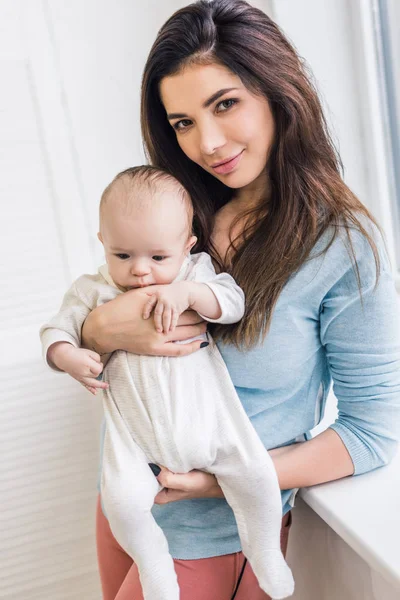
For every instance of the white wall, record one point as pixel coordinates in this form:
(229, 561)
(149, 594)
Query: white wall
(48, 444)
(321, 32)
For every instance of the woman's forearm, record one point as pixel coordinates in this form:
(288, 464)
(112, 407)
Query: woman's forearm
(114, 324)
(94, 336)
(321, 459)
(119, 325)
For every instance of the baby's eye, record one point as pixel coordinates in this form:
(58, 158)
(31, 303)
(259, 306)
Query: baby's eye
(122, 256)
(158, 258)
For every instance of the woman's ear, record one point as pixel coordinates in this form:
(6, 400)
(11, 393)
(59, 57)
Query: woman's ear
(191, 242)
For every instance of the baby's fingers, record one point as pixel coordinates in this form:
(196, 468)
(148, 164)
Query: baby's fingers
(94, 384)
(94, 355)
(95, 368)
(166, 319)
(148, 307)
(174, 320)
(158, 316)
(92, 390)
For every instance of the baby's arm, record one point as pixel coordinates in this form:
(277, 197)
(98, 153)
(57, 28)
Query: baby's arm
(203, 300)
(216, 298)
(61, 338)
(171, 300)
(81, 364)
(229, 295)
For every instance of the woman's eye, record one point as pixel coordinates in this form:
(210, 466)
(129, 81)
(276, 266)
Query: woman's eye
(225, 104)
(183, 124)
(158, 258)
(122, 256)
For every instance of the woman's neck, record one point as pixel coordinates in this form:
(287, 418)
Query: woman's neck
(253, 194)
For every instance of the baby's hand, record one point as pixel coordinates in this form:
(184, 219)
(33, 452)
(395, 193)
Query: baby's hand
(83, 365)
(170, 301)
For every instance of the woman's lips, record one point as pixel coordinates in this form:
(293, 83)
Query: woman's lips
(228, 166)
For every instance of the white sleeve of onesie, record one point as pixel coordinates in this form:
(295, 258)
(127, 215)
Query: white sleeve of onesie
(87, 292)
(229, 295)
(66, 325)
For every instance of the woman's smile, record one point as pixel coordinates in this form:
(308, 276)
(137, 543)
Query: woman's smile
(228, 165)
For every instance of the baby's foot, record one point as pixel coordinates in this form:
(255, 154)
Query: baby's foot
(274, 575)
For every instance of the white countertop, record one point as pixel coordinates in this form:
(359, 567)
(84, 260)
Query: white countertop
(365, 512)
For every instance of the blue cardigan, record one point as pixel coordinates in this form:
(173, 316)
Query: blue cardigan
(321, 332)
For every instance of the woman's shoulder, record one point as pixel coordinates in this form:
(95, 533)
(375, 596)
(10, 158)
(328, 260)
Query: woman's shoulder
(350, 258)
(345, 243)
(354, 253)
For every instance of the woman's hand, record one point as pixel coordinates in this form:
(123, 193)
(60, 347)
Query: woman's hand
(178, 486)
(119, 325)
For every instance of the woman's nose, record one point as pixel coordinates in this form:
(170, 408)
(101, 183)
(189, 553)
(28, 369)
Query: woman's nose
(211, 139)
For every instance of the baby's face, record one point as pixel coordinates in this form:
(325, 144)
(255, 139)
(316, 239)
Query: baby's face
(147, 245)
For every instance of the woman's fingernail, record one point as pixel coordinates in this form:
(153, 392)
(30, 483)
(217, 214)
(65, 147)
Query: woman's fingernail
(204, 344)
(155, 468)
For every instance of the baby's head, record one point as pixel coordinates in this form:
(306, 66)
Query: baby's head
(145, 227)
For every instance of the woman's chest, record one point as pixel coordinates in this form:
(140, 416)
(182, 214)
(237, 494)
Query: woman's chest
(292, 346)
(291, 349)
(227, 229)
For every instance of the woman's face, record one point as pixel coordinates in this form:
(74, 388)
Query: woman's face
(219, 124)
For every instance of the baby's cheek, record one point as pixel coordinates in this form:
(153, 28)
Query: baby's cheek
(167, 274)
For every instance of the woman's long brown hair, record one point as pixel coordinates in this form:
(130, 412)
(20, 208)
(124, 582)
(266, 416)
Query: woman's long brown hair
(308, 194)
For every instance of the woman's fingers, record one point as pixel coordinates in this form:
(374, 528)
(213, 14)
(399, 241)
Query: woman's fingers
(179, 486)
(171, 349)
(175, 485)
(185, 482)
(166, 495)
(187, 331)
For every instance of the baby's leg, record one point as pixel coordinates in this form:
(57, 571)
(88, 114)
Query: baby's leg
(248, 479)
(128, 489)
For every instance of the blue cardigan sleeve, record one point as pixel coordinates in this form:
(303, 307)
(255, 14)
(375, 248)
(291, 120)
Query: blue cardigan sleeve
(362, 344)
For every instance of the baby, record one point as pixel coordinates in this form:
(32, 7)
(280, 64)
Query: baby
(183, 413)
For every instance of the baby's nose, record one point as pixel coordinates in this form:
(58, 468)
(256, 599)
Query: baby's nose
(139, 269)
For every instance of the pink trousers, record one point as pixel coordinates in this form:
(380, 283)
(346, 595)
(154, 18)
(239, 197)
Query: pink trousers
(212, 578)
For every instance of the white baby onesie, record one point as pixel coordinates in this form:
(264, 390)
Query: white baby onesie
(183, 413)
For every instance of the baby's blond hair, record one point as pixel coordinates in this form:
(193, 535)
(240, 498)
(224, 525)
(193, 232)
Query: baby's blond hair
(147, 178)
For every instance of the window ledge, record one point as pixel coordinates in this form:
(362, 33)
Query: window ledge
(363, 511)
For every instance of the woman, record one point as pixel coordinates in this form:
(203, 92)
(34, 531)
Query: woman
(228, 109)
